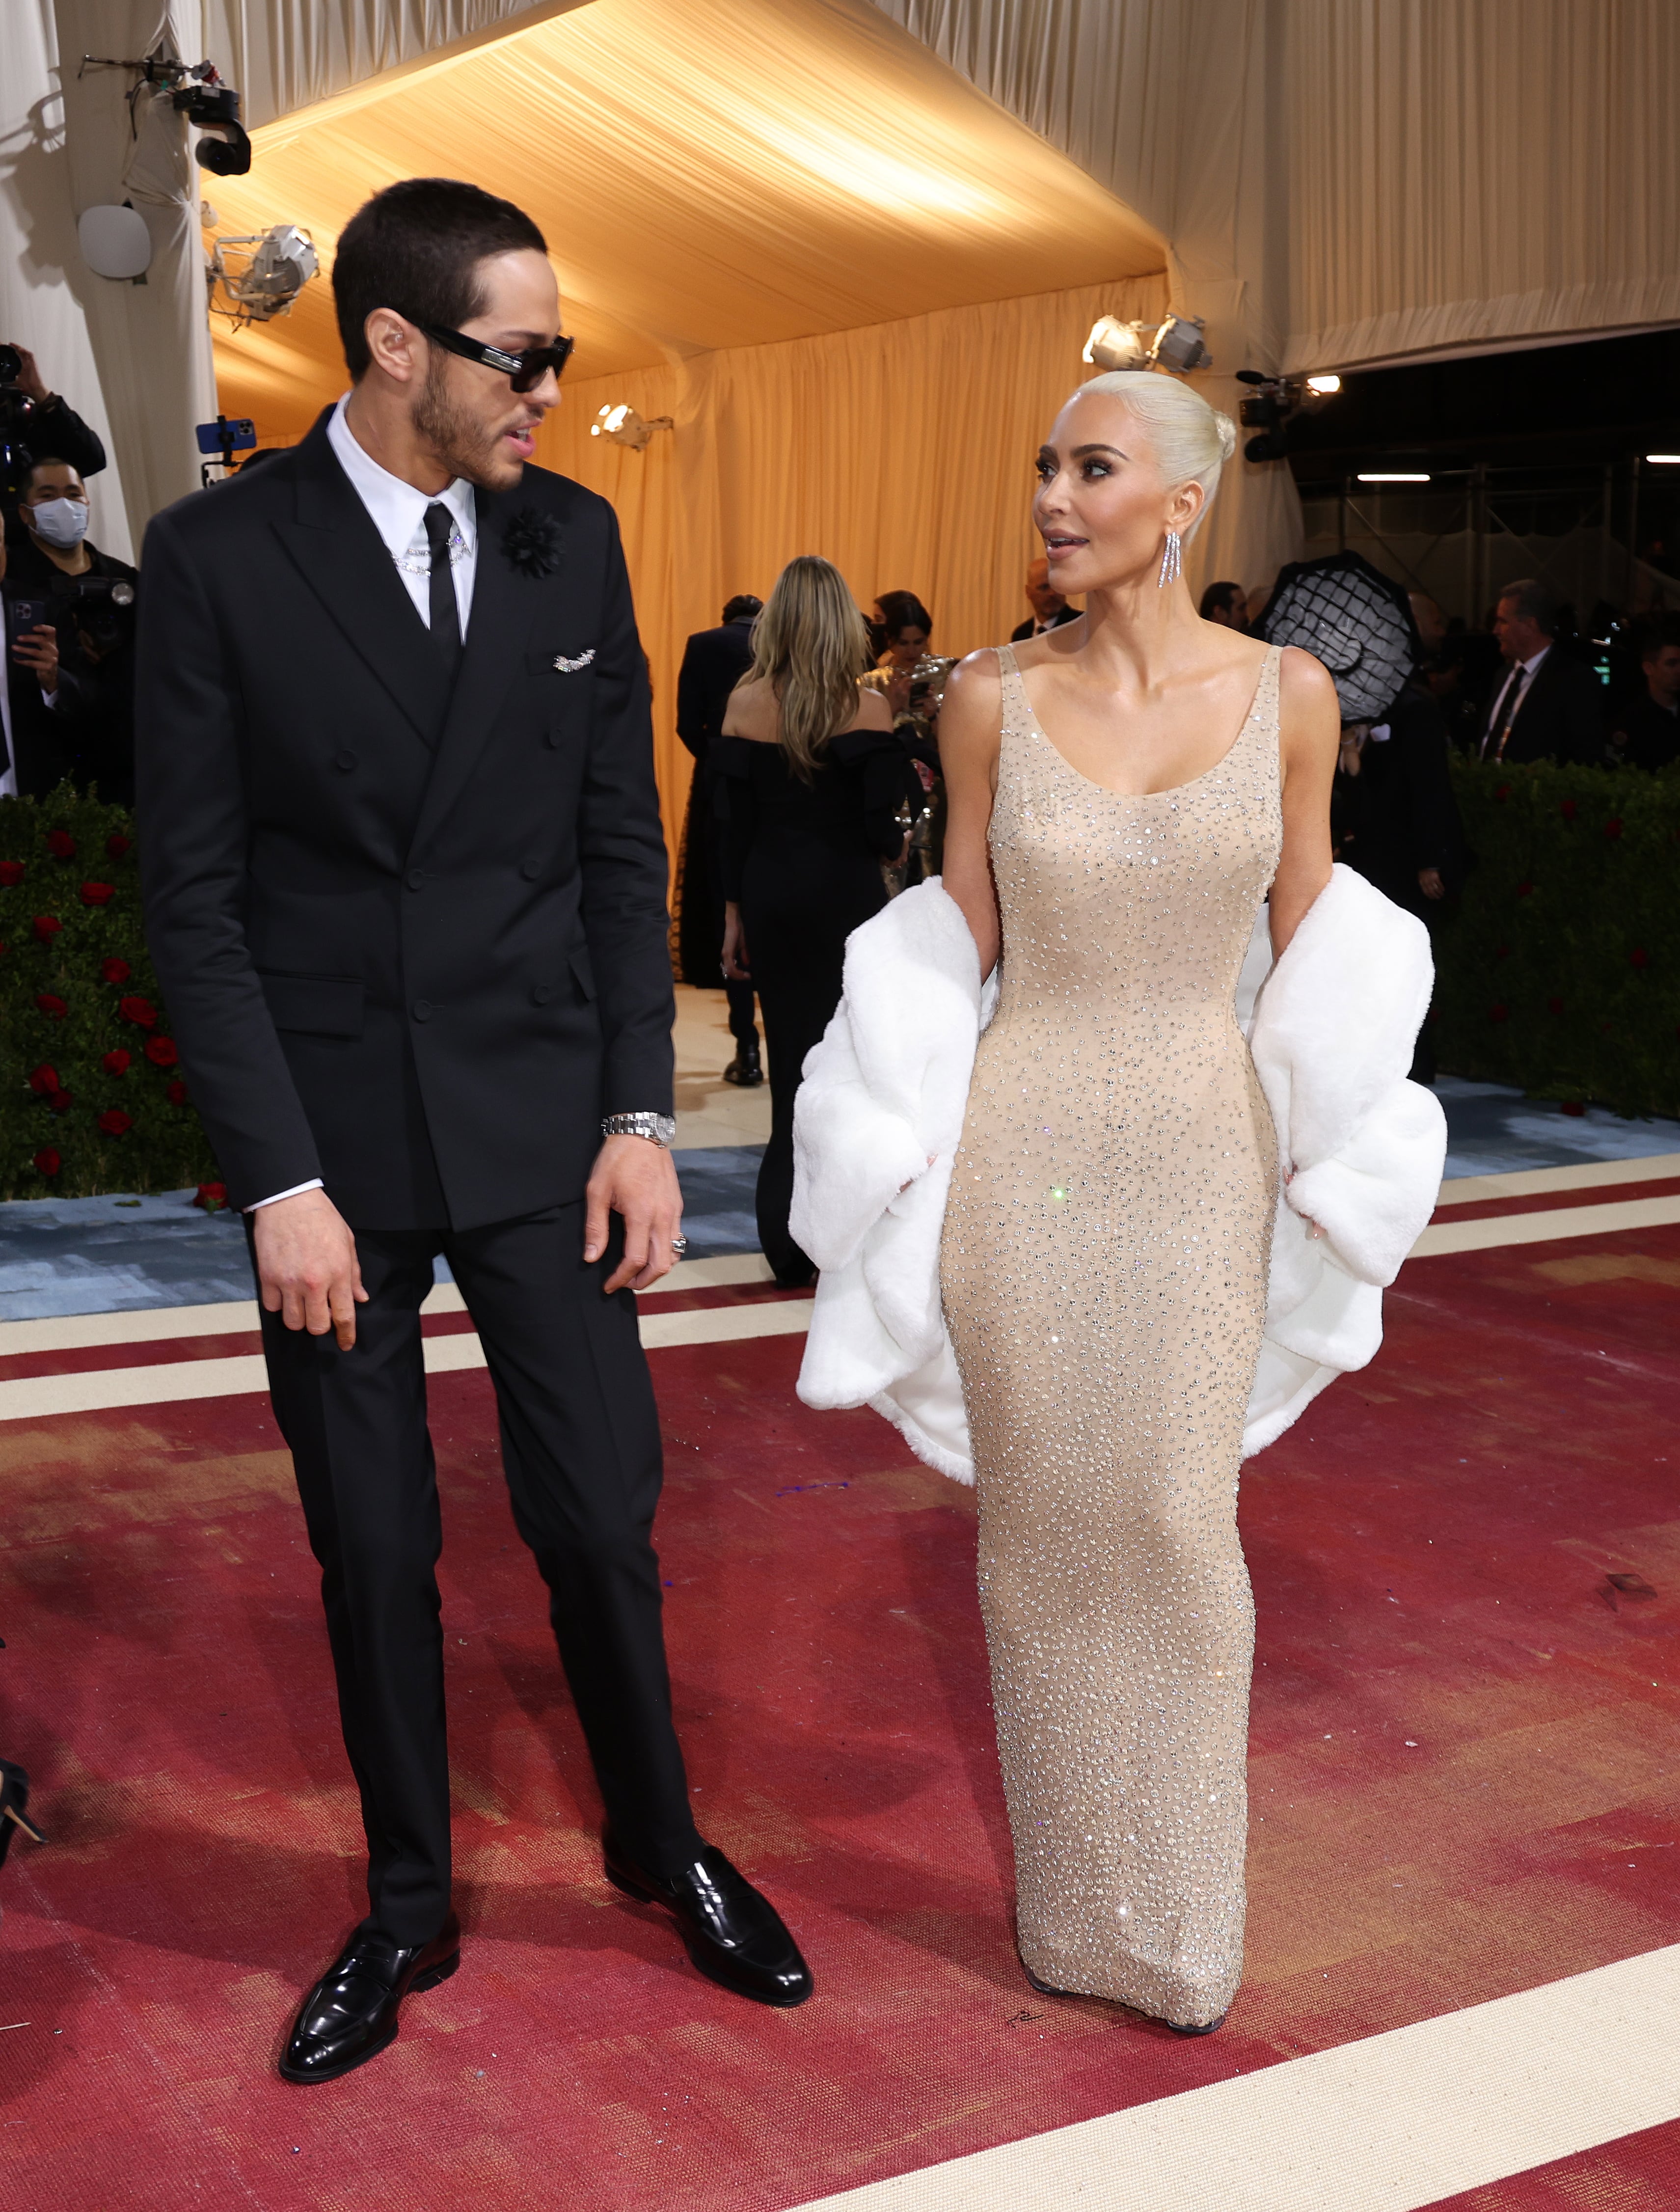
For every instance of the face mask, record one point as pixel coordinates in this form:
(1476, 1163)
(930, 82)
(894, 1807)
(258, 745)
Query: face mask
(62, 522)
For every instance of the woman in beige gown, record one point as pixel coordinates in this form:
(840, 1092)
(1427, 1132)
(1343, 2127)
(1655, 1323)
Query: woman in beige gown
(1124, 792)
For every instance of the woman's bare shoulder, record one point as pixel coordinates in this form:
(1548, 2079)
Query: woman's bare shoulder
(874, 709)
(977, 678)
(1304, 683)
(752, 712)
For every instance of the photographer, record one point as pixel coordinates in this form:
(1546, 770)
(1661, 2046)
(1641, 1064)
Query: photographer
(91, 595)
(39, 420)
(37, 701)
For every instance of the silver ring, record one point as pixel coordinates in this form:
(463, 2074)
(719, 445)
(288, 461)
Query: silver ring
(679, 1244)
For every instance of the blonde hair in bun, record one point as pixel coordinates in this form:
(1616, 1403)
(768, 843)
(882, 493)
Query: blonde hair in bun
(1193, 441)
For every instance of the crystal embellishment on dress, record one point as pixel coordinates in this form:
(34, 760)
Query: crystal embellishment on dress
(1105, 1287)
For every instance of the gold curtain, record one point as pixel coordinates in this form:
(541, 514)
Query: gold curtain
(902, 452)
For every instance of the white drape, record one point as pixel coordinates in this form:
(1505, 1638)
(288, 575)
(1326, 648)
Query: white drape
(43, 282)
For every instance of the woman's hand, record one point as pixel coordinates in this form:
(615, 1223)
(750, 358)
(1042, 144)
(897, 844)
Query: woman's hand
(736, 968)
(1429, 883)
(898, 690)
(38, 649)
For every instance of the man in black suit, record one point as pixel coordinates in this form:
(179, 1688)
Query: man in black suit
(1050, 608)
(405, 891)
(1544, 706)
(1649, 726)
(713, 663)
(39, 698)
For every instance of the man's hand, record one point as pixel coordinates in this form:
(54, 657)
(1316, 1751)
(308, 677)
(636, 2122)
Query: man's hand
(1429, 883)
(736, 964)
(637, 1179)
(307, 1265)
(30, 381)
(38, 649)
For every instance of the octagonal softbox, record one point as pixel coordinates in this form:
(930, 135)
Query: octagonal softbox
(1353, 619)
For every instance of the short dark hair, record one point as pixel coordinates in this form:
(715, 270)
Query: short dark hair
(743, 604)
(1659, 632)
(903, 611)
(416, 247)
(1536, 602)
(1219, 596)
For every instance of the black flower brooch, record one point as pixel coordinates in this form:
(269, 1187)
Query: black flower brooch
(532, 542)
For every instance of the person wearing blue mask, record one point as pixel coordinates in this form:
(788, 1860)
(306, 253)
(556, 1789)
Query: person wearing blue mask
(92, 594)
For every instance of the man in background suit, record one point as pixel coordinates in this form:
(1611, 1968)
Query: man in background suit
(1544, 706)
(1649, 726)
(1050, 608)
(405, 891)
(713, 663)
(37, 698)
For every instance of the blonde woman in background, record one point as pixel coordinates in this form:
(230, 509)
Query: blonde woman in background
(1124, 792)
(811, 785)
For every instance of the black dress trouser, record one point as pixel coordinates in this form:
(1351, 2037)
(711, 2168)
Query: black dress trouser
(580, 1450)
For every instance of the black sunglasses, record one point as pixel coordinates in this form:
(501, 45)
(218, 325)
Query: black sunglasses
(526, 369)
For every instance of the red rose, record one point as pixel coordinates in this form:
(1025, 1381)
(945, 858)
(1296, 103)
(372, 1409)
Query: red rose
(1523, 889)
(114, 970)
(1640, 956)
(141, 1011)
(1554, 1005)
(45, 1080)
(1499, 1013)
(1567, 810)
(1503, 791)
(47, 927)
(115, 1123)
(50, 1004)
(61, 844)
(11, 874)
(1613, 827)
(61, 1101)
(176, 1094)
(160, 1051)
(116, 1063)
(98, 893)
(116, 845)
(212, 1196)
(1574, 1106)
(47, 1161)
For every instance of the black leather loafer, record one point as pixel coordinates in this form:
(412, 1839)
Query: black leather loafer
(736, 1937)
(350, 2014)
(746, 1069)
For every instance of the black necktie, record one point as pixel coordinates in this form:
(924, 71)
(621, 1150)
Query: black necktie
(446, 613)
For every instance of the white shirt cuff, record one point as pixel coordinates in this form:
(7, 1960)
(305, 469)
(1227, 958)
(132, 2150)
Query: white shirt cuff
(315, 1183)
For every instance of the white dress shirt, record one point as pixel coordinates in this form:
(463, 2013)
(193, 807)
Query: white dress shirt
(397, 512)
(9, 773)
(1522, 675)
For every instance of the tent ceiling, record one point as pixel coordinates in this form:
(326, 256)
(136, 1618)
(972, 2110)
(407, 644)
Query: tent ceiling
(708, 174)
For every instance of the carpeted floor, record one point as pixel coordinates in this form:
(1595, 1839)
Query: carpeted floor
(1465, 1779)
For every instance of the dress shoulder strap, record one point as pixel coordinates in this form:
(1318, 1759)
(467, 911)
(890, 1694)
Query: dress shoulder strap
(1006, 662)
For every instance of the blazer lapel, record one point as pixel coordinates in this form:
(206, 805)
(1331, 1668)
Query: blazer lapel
(505, 605)
(343, 559)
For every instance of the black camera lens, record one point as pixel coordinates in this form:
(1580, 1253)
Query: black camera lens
(11, 364)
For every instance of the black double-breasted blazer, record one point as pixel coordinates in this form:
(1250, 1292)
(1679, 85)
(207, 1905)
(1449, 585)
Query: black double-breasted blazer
(413, 940)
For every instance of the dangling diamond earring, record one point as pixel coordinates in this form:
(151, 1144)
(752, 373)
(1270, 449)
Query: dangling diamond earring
(1171, 561)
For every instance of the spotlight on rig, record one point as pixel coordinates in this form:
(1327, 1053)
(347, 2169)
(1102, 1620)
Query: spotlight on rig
(1176, 344)
(625, 428)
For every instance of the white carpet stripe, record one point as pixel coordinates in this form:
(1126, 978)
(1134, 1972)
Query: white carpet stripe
(1545, 1228)
(1532, 1182)
(35, 1397)
(1390, 2124)
(32, 1397)
(231, 1316)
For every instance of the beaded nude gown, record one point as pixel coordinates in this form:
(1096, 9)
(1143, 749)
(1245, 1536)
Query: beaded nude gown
(1104, 1277)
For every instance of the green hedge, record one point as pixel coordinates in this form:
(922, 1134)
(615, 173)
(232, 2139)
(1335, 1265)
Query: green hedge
(91, 1096)
(1560, 971)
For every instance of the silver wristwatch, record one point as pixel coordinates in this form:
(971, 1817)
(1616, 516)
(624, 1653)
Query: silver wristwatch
(658, 1128)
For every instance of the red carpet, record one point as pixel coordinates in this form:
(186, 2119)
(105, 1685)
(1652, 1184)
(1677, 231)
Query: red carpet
(1465, 1778)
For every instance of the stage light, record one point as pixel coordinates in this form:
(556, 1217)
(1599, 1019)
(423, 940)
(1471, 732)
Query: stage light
(1115, 344)
(1176, 344)
(1392, 475)
(283, 263)
(1324, 385)
(1665, 461)
(625, 428)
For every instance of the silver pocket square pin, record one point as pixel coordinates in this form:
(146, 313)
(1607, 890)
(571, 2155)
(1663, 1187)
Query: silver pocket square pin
(571, 667)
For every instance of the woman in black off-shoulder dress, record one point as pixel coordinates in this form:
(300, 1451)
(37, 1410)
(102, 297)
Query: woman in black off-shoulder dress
(812, 788)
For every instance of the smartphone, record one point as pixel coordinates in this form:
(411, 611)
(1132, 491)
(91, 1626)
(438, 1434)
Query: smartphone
(25, 614)
(237, 432)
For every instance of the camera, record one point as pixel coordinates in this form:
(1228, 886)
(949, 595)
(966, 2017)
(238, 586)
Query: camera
(102, 610)
(15, 409)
